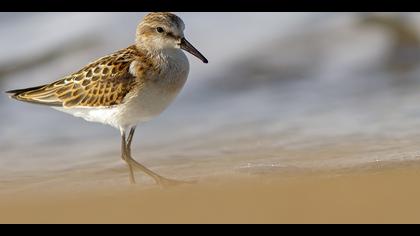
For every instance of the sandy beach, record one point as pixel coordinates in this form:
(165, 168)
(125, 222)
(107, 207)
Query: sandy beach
(284, 125)
(385, 195)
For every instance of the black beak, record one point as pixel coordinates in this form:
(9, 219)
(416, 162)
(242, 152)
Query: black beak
(185, 45)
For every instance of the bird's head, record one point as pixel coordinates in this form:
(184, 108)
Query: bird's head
(162, 30)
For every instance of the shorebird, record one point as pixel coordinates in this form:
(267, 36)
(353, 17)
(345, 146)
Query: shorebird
(128, 87)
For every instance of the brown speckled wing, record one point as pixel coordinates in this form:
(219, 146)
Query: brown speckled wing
(104, 82)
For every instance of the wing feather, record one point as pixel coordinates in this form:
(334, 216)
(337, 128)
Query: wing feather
(104, 82)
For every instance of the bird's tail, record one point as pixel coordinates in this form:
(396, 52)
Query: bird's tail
(36, 95)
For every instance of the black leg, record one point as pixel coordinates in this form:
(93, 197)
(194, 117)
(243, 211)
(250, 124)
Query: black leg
(129, 159)
(130, 139)
(126, 157)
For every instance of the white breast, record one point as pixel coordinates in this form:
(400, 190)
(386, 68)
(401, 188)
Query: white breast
(148, 102)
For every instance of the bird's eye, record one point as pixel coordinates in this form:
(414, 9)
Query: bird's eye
(159, 30)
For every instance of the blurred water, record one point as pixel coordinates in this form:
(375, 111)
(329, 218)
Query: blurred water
(282, 92)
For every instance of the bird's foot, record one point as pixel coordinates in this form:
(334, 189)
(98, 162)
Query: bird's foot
(164, 182)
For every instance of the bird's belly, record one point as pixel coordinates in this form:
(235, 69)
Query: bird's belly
(150, 101)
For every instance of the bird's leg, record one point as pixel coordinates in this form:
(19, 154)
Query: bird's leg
(159, 179)
(129, 139)
(130, 159)
(125, 157)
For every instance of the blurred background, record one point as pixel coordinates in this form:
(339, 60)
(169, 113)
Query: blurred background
(283, 92)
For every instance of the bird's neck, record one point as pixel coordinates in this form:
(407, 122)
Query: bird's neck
(160, 55)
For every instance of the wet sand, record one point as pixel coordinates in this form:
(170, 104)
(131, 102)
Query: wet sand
(384, 195)
(262, 153)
